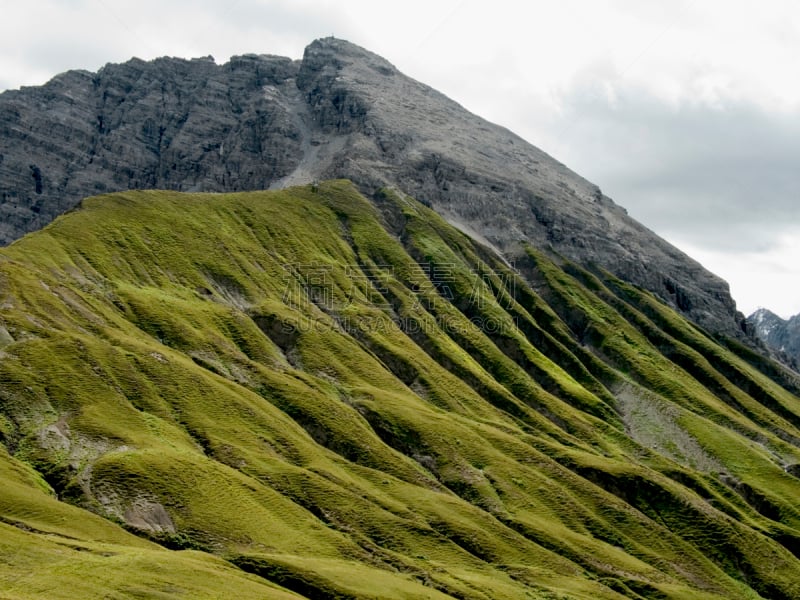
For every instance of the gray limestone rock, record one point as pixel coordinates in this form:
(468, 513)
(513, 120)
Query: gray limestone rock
(265, 121)
(169, 123)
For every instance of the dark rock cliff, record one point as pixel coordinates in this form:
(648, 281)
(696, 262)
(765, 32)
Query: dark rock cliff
(264, 121)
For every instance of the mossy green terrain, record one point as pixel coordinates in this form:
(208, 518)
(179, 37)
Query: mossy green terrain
(308, 393)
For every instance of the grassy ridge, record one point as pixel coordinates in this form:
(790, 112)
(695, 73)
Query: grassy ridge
(307, 393)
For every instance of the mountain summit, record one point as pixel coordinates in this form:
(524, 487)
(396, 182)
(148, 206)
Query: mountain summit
(261, 122)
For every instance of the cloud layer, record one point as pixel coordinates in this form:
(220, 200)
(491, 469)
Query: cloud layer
(721, 181)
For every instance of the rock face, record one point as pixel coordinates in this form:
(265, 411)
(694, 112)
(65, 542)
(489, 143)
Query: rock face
(169, 123)
(781, 335)
(264, 121)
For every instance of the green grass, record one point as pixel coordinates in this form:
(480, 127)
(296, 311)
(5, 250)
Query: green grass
(307, 394)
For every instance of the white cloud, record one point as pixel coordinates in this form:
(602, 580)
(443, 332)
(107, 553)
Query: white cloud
(758, 276)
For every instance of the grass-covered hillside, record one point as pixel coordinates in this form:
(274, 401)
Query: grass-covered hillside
(308, 394)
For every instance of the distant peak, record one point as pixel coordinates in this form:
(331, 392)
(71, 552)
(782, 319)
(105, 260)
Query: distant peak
(762, 314)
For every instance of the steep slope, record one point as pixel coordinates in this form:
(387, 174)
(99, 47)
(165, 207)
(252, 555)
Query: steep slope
(349, 398)
(261, 121)
(781, 335)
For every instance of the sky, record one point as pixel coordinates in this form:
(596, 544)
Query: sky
(685, 112)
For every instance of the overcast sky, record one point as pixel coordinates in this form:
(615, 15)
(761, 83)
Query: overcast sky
(687, 113)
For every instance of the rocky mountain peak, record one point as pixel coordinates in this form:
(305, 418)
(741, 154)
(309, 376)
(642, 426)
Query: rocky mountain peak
(262, 121)
(336, 53)
(780, 335)
(764, 319)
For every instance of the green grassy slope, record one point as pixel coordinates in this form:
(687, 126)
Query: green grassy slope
(307, 394)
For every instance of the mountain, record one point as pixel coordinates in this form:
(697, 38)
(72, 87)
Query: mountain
(430, 362)
(314, 393)
(341, 112)
(779, 334)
